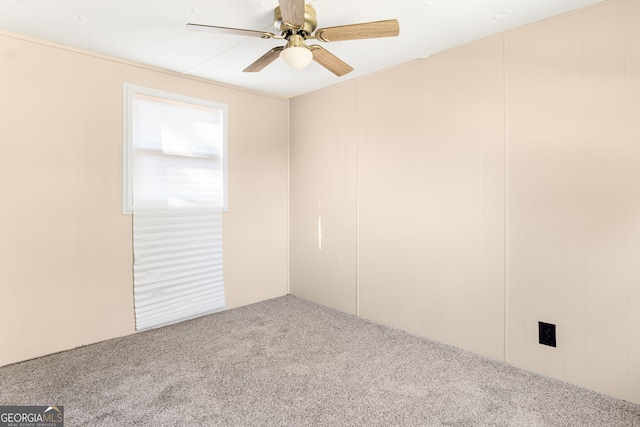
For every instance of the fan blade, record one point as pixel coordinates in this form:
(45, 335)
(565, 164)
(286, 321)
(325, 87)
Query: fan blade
(292, 12)
(329, 61)
(366, 30)
(264, 60)
(226, 30)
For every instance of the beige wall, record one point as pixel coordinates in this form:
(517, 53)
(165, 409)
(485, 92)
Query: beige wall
(65, 246)
(323, 164)
(574, 205)
(412, 179)
(495, 185)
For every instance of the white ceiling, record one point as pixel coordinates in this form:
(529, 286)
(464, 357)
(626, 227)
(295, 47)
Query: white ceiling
(153, 32)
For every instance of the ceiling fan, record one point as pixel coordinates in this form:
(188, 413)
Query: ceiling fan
(296, 23)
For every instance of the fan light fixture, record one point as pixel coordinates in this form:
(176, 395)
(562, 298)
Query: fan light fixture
(296, 57)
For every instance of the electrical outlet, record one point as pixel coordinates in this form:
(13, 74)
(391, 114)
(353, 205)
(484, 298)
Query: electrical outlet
(547, 334)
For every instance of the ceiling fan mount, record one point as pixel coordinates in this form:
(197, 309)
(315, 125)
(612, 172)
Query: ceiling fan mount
(296, 23)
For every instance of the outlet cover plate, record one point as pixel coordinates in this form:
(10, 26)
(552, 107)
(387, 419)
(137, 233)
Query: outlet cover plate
(547, 334)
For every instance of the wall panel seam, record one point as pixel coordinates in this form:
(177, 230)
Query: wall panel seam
(505, 112)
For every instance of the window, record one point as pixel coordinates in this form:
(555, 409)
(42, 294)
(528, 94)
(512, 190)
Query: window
(175, 186)
(178, 146)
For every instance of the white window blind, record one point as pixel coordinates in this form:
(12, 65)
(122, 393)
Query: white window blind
(178, 264)
(177, 152)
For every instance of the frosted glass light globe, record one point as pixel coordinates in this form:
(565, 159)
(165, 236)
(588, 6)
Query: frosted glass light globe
(296, 57)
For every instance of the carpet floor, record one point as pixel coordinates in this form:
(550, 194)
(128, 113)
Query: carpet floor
(289, 362)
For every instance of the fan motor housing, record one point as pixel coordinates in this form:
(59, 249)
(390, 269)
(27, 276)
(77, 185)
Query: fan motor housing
(310, 21)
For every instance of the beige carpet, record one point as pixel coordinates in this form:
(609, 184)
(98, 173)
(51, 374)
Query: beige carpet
(288, 362)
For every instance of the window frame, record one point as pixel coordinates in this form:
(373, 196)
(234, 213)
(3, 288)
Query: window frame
(129, 91)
